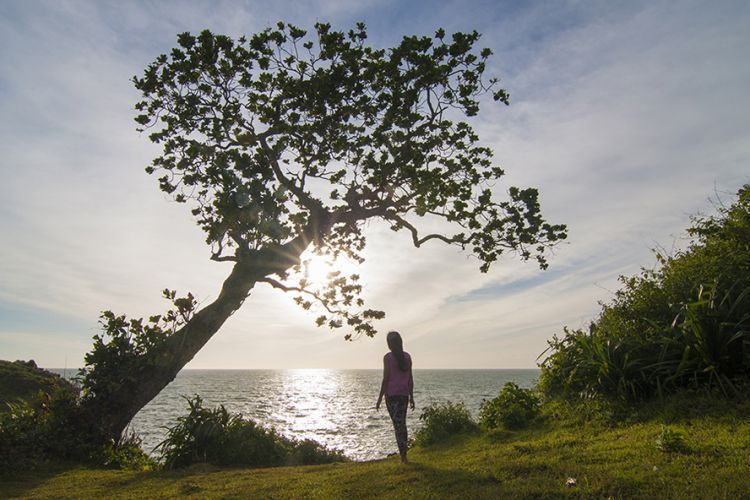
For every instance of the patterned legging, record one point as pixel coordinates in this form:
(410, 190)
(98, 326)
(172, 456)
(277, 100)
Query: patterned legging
(397, 410)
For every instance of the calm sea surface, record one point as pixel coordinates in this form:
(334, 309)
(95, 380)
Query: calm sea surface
(333, 407)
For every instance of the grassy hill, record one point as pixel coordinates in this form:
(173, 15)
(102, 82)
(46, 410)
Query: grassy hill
(617, 460)
(23, 379)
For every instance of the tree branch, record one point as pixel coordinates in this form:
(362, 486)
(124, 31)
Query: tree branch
(459, 238)
(285, 288)
(223, 258)
(308, 201)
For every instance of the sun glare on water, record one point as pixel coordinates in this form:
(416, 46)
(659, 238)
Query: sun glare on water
(313, 392)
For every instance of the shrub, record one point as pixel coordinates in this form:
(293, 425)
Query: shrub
(217, 437)
(53, 427)
(127, 347)
(41, 428)
(126, 454)
(442, 420)
(309, 452)
(685, 323)
(513, 408)
(19, 448)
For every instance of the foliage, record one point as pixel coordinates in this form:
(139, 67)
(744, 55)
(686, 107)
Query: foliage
(23, 433)
(215, 436)
(513, 408)
(125, 348)
(55, 427)
(672, 440)
(685, 323)
(127, 453)
(285, 139)
(441, 421)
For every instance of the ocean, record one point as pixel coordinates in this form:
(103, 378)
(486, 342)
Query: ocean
(333, 407)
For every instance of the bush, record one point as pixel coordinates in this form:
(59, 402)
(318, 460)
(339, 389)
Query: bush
(41, 428)
(19, 446)
(441, 421)
(217, 437)
(513, 408)
(53, 427)
(127, 347)
(126, 454)
(684, 324)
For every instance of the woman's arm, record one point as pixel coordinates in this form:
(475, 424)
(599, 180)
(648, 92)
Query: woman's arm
(411, 388)
(384, 384)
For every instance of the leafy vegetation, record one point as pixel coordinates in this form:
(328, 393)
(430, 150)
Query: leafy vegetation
(52, 427)
(684, 324)
(31, 431)
(52, 423)
(440, 421)
(513, 408)
(126, 347)
(216, 437)
(121, 354)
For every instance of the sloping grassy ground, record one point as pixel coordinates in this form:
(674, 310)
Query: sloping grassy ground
(20, 380)
(607, 460)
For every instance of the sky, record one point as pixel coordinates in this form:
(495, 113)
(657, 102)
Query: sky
(628, 116)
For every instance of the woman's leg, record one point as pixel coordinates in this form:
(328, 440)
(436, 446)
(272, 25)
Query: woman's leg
(397, 406)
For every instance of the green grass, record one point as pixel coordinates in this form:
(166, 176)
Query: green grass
(607, 460)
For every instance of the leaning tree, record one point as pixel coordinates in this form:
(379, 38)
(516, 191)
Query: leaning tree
(283, 144)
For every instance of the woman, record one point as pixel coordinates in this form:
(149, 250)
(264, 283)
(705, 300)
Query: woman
(398, 388)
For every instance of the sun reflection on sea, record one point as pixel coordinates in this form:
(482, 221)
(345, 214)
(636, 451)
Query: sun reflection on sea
(328, 406)
(311, 401)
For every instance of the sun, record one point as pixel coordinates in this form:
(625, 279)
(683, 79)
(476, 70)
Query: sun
(317, 268)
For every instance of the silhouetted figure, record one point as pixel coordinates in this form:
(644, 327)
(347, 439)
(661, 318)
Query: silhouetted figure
(398, 389)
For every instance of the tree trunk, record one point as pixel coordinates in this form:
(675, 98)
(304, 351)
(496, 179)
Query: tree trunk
(118, 410)
(115, 413)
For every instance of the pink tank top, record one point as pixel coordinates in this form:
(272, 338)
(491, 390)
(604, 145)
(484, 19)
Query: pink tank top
(398, 381)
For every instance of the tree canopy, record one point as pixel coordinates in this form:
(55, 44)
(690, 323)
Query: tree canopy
(287, 140)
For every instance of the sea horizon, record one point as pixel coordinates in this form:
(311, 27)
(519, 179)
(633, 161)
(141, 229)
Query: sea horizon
(58, 369)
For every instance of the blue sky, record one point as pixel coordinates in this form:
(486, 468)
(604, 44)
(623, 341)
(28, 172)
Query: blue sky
(628, 116)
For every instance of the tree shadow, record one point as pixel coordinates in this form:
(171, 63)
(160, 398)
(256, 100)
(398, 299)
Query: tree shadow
(435, 482)
(25, 483)
(22, 483)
